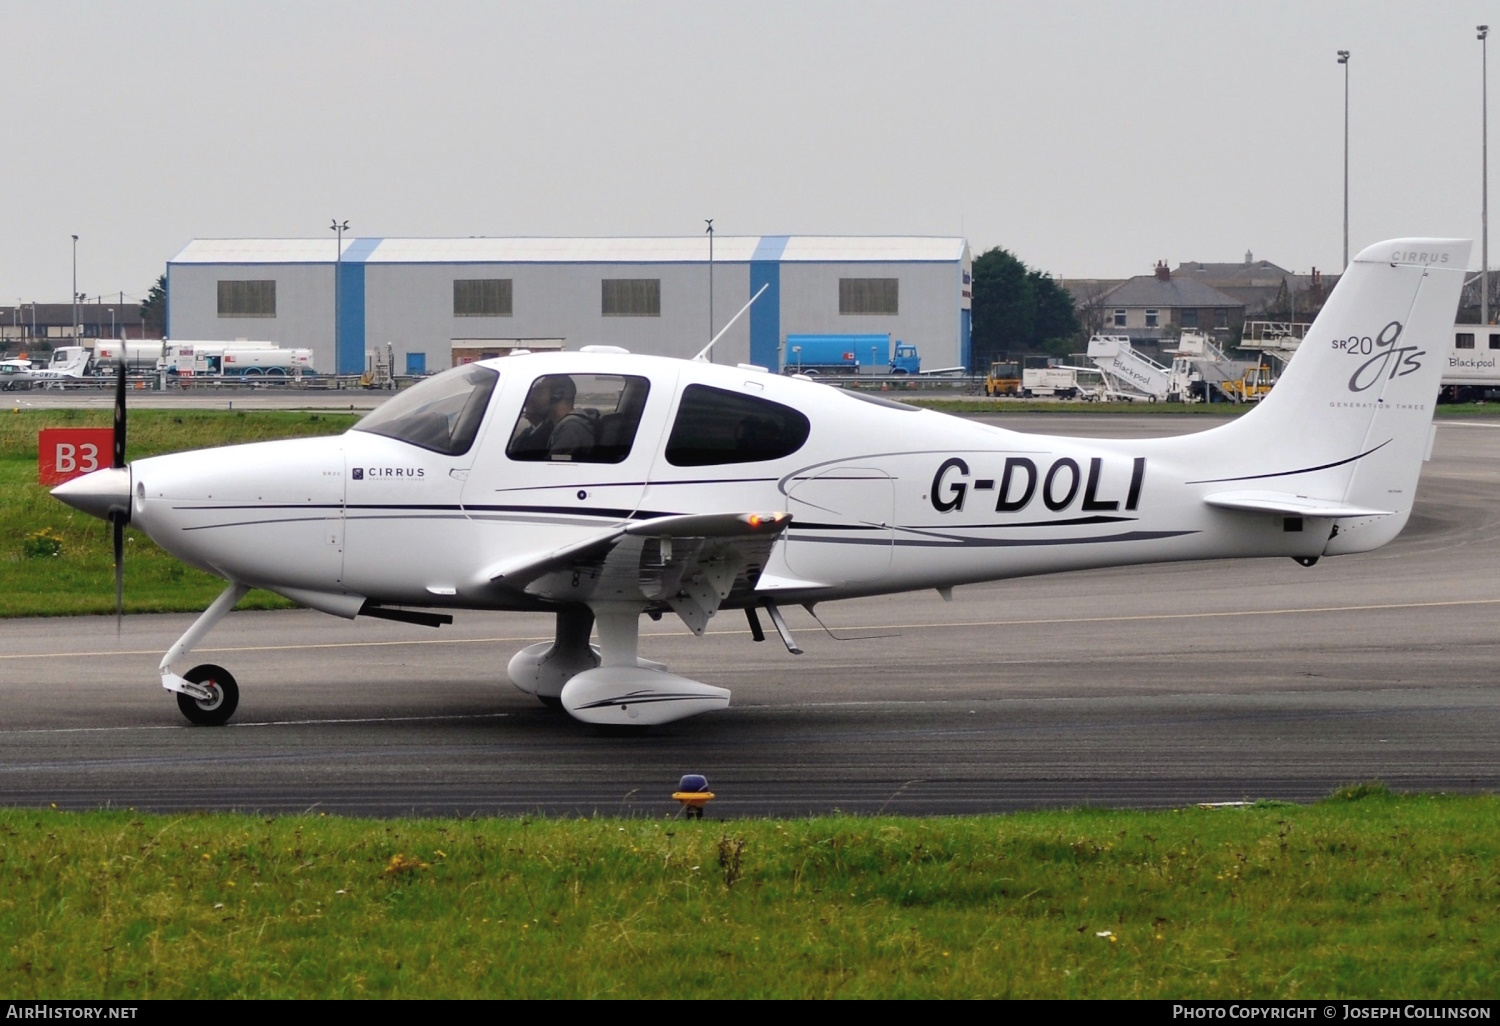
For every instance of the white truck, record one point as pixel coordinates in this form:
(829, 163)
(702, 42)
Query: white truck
(141, 355)
(1473, 368)
(240, 358)
(1044, 376)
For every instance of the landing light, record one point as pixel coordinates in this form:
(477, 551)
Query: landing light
(692, 791)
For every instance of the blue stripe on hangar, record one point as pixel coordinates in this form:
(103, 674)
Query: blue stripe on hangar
(765, 313)
(350, 345)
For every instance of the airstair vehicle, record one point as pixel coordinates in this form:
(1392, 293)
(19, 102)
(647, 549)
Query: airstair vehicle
(1132, 375)
(1212, 371)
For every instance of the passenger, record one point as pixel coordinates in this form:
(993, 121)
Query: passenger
(556, 428)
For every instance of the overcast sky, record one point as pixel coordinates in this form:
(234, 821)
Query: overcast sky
(1090, 139)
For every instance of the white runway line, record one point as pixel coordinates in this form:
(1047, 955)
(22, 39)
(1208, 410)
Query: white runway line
(943, 625)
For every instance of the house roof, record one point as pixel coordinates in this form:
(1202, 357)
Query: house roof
(1149, 290)
(1242, 275)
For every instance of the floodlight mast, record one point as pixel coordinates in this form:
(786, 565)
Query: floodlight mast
(1344, 60)
(1484, 173)
(338, 227)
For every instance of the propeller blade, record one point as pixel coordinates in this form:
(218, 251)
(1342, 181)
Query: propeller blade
(119, 418)
(118, 521)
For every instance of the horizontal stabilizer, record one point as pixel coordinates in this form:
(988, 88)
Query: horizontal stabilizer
(1289, 505)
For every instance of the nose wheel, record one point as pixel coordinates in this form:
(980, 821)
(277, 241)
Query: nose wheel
(214, 711)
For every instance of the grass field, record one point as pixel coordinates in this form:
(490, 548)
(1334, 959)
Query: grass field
(1363, 895)
(55, 562)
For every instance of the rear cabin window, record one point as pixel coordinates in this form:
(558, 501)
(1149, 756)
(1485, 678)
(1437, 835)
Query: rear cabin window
(579, 418)
(715, 426)
(442, 414)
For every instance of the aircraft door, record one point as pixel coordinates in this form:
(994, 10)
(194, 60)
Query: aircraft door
(842, 524)
(566, 452)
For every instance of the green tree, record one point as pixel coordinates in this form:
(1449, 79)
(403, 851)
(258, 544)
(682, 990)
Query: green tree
(1018, 310)
(154, 309)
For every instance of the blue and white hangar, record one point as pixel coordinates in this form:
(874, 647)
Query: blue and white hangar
(439, 302)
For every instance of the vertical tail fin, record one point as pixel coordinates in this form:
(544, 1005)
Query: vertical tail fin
(1349, 420)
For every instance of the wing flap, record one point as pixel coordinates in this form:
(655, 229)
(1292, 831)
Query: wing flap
(695, 560)
(1290, 505)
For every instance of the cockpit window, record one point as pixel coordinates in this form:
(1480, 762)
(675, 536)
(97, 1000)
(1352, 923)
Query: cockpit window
(442, 414)
(715, 426)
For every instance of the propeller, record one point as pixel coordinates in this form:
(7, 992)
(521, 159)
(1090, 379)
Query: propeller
(119, 516)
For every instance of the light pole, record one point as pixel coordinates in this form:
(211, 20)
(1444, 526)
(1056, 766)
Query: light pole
(338, 227)
(1344, 60)
(111, 322)
(75, 290)
(1484, 165)
(710, 230)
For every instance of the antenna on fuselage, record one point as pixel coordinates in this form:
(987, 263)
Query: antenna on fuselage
(703, 354)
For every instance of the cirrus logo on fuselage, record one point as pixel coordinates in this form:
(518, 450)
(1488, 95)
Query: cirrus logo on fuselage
(388, 473)
(1022, 480)
(1384, 360)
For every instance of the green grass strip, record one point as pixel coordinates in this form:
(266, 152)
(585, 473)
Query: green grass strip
(1364, 895)
(58, 562)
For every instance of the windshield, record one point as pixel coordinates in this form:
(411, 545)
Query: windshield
(442, 414)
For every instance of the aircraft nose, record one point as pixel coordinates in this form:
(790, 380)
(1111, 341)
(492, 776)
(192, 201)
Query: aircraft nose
(97, 493)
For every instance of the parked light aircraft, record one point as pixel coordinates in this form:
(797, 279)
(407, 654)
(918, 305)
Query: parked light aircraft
(602, 485)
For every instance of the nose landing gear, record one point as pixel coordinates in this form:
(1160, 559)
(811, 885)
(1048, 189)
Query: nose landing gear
(224, 696)
(206, 694)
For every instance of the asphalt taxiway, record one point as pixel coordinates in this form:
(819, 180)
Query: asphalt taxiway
(1153, 686)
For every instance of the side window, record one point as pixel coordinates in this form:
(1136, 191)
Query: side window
(579, 418)
(1463, 340)
(715, 426)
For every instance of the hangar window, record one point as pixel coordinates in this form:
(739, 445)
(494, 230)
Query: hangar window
(442, 414)
(1463, 340)
(247, 298)
(579, 418)
(869, 295)
(481, 297)
(631, 297)
(715, 426)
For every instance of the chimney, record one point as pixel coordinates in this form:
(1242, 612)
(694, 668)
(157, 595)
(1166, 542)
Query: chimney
(1163, 272)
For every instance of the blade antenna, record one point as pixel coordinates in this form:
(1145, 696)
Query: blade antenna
(703, 354)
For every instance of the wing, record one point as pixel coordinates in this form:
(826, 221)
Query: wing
(691, 564)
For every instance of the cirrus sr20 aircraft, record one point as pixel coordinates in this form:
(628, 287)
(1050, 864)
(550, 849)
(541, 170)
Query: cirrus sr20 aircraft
(601, 486)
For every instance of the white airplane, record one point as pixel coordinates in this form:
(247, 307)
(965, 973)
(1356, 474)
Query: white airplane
(15, 373)
(602, 486)
(68, 363)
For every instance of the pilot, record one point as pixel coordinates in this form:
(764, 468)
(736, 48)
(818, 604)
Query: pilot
(555, 427)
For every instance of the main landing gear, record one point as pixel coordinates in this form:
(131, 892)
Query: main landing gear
(608, 685)
(206, 694)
